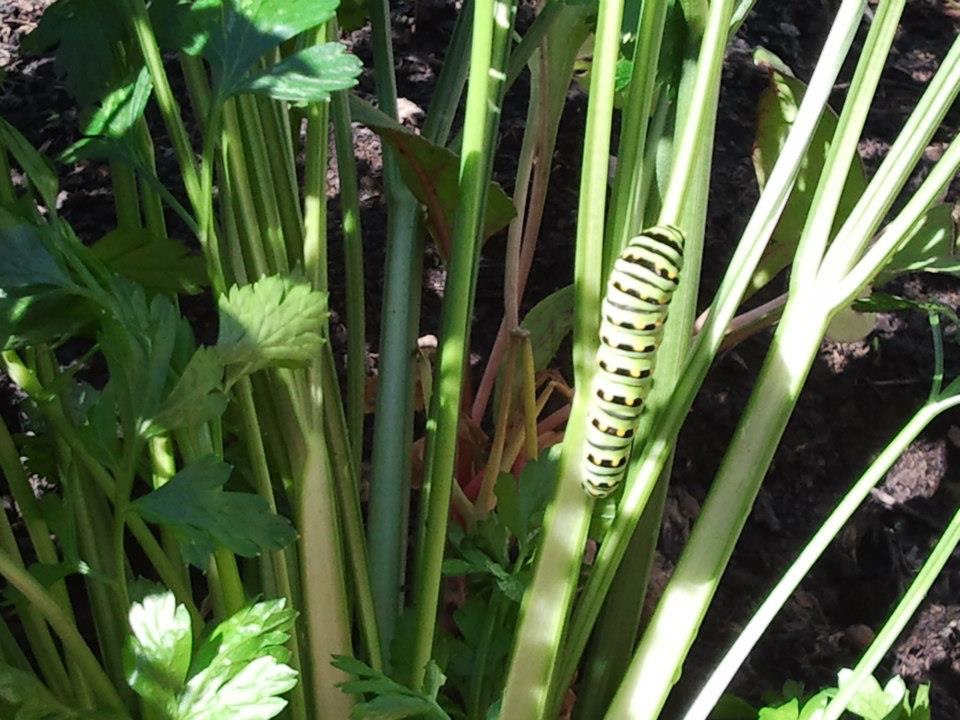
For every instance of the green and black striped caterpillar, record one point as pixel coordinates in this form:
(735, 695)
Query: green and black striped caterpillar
(634, 309)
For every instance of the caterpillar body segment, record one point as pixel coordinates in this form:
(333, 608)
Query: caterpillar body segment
(634, 311)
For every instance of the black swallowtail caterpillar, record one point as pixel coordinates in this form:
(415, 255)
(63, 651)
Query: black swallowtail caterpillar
(634, 311)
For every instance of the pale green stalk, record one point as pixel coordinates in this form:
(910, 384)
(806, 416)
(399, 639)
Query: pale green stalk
(547, 601)
(901, 615)
(491, 19)
(748, 637)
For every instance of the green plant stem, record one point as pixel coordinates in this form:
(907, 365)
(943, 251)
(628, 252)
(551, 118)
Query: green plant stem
(722, 675)
(125, 198)
(315, 197)
(7, 193)
(627, 201)
(351, 512)
(324, 603)
(538, 30)
(278, 144)
(899, 618)
(353, 262)
(643, 475)
(140, 20)
(547, 601)
(843, 147)
(453, 78)
(74, 643)
(387, 511)
(491, 19)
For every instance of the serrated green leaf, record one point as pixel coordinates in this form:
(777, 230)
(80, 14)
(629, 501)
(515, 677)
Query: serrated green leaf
(921, 704)
(777, 109)
(251, 28)
(203, 516)
(156, 656)
(788, 711)
(308, 76)
(84, 36)
(277, 321)
(25, 261)
(259, 629)
(397, 707)
(432, 174)
(251, 694)
(871, 702)
(195, 398)
(160, 264)
(26, 698)
(34, 165)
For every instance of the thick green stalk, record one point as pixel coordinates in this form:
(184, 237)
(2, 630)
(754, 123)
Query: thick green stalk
(315, 197)
(324, 603)
(899, 618)
(491, 22)
(547, 601)
(627, 201)
(353, 262)
(387, 511)
(125, 199)
(724, 672)
(643, 475)
(140, 19)
(74, 643)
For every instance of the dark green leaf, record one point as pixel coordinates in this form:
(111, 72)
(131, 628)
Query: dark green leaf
(36, 167)
(778, 107)
(538, 479)
(549, 322)
(251, 28)
(275, 321)
(158, 263)
(184, 25)
(397, 707)
(47, 317)
(432, 174)
(85, 36)
(203, 516)
(195, 398)
(508, 506)
(25, 260)
(731, 707)
(392, 700)
(156, 656)
(884, 302)
(352, 15)
(308, 76)
(23, 697)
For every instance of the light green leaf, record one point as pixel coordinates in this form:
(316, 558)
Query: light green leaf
(432, 174)
(195, 398)
(251, 28)
(813, 707)
(931, 247)
(203, 516)
(871, 702)
(849, 325)
(308, 76)
(277, 321)
(158, 263)
(921, 704)
(25, 260)
(156, 656)
(788, 711)
(239, 670)
(120, 110)
(776, 112)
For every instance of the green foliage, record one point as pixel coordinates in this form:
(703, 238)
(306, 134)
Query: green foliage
(931, 247)
(432, 174)
(36, 167)
(25, 261)
(23, 697)
(275, 321)
(159, 264)
(308, 76)
(777, 109)
(249, 29)
(84, 37)
(238, 671)
(390, 700)
(203, 516)
(549, 322)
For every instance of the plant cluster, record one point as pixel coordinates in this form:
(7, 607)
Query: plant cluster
(203, 549)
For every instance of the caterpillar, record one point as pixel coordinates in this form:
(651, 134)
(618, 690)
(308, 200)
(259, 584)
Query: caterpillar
(634, 311)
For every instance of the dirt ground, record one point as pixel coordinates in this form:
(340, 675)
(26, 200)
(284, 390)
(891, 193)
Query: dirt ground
(857, 397)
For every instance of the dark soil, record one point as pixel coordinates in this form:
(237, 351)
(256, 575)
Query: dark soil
(857, 397)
